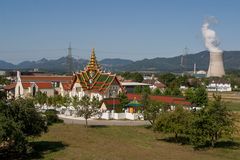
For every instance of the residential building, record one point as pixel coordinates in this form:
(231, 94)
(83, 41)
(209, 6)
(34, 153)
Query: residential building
(219, 86)
(26, 86)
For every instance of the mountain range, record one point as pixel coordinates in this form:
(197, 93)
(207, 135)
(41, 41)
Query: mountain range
(172, 64)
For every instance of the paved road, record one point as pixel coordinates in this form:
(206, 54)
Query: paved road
(105, 122)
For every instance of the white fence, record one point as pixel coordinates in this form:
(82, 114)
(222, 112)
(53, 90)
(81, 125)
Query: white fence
(71, 112)
(130, 116)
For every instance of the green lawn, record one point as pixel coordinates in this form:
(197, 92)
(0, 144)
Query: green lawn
(233, 105)
(69, 142)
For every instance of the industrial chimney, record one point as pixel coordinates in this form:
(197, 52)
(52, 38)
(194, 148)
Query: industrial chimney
(216, 68)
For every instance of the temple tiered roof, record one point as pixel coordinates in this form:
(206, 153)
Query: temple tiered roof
(93, 78)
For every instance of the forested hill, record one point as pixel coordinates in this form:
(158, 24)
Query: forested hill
(231, 61)
(172, 64)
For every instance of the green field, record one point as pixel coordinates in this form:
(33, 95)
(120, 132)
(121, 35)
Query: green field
(231, 99)
(69, 142)
(233, 105)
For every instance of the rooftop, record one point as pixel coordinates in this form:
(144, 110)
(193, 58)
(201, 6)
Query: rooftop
(134, 84)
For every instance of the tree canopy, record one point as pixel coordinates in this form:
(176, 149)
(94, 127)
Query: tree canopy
(197, 96)
(88, 108)
(19, 120)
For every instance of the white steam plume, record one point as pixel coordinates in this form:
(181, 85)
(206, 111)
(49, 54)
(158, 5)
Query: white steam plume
(209, 35)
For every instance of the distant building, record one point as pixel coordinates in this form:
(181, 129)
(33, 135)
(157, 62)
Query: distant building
(219, 86)
(2, 73)
(200, 74)
(29, 85)
(130, 86)
(154, 84)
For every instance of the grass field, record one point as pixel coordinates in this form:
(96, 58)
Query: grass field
(233, 105)
(69, 142)
(231, 99)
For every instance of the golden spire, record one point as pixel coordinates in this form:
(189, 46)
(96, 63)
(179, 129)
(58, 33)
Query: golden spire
(93, 65)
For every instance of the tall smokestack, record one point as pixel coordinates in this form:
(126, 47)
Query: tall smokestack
(216, 68)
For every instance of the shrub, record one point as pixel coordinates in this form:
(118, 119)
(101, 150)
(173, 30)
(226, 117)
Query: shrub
(18, 121)
(51, 116)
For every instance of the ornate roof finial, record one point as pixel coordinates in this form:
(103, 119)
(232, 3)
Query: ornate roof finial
(93, 65)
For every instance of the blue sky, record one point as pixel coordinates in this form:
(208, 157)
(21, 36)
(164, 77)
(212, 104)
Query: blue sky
(130, 29)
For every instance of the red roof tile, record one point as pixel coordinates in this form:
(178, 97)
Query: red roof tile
(163, 99)
(46, 78)
(66, 86)
(44, 85)
(26, 84)
(111, 101)
(10, 86)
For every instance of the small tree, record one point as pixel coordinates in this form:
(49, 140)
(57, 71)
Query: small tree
(88, 108)
(197, 96)
(152, 111)
(172, 92)
(167, 78)
(157, 92)
(176, 122)
(190, 95)
(137, 77)
(75, 102)
(146, 89)
(211, 123)
(57, 100)
(201, 96)
(50, 101)
(66, 101)
(145, 101)
(95, 103)
(123, 99)
(41, 98)
(137, 89)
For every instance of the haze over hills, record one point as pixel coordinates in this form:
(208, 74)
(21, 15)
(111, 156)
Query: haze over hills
(172, 64)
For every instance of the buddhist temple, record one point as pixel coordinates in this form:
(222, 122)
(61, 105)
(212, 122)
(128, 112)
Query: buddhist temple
(92, 81)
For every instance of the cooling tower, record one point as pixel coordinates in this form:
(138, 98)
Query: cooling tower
(216, 68)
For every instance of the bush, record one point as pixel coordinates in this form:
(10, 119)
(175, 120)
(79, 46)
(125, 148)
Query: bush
(19, 120)
(176, 122)
(52, 117)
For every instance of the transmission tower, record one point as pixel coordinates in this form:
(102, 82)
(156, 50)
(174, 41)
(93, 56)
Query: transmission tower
(69, 60)
(183, 62)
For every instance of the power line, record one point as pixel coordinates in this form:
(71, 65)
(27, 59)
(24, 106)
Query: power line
(33, 50)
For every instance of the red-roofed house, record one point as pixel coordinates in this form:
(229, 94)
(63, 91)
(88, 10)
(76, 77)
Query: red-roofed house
(29, 85)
